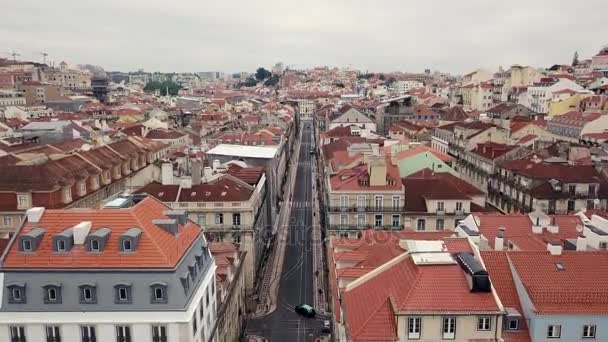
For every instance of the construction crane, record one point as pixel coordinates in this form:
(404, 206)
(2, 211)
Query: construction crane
(44, 54)
(14, 54)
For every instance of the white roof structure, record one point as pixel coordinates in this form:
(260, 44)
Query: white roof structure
(244, 151)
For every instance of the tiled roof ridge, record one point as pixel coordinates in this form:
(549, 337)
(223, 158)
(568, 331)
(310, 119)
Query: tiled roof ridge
(143, 226)
(373, 314)
(379, 270)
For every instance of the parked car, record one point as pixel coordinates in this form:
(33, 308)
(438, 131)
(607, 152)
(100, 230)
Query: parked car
(305, 310)
(326, 326)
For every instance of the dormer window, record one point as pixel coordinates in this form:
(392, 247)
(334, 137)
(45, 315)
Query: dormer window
(52, 294)
(128, 241)
(88, 294)
(158, 293)
(64, 241)
(127, 246)
(16, 292)
(122, 294)
(26, 245)
(94, 246)
(61, 246)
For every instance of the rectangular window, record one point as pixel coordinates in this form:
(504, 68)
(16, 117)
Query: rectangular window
(571, 205)
(60, 246)
(459, 206)
(17, 333)
(87, 332)
(23, 201)
(53, 334)
(219, 218)
(554, 331)
(16, 294)
(123, 333)
(194, 325)
(396, 221)
(378, 221)
(343, 220)
(421, 224)
(413, 328)
(87, 294)
(159, 333)
(127, 246)
(201, 310)
(439, 224)
(26, 245)
(603, 245)
(449, 328)
(94, 244)
(123, 293)
(512, 324)
(343, 202)
(360, 221)
(572, 189)
(396, 202)
(201, 219)
(378, 202)
(236, 219)
(361, 202)
(589, 331)
(7, 221)
(484, 323)
(440, 206)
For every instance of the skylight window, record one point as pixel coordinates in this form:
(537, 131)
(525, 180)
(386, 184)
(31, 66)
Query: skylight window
(560, 266)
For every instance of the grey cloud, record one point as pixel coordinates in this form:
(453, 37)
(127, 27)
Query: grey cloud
(233, 35)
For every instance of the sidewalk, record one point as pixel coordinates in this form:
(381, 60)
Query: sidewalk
(318, 255)
(272, 272)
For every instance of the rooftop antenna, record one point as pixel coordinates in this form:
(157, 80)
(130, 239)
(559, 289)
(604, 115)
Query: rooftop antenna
(14, 54)
(44, 55)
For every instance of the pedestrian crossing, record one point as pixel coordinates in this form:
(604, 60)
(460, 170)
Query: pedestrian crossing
(301, 204)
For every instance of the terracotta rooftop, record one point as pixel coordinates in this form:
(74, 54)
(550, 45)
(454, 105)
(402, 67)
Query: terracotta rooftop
(156, 248)
(223, 189)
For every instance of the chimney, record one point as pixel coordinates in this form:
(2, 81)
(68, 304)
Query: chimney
(553, 227)
(81, 231)
(208, 173)
(166, 176)
(555, 248)
(34, 214)
(196, 172)
(499, 240)
(216, 164)
(169, 225)
(581, 243)
(180, 215)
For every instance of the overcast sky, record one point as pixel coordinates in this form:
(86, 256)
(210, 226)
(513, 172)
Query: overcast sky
(239, 35)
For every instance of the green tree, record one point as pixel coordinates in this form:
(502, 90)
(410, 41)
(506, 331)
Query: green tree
(171, 86)
(575, 59)
(249, 82)
(262, 74)
(382, 77)
(272, 81)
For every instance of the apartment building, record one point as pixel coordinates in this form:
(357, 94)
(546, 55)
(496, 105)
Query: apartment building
(366, 195)
(529, 184)
(132, 273)
(227, 208)
(11, 98)
(37, 93)
(46, 176)
(413, 291)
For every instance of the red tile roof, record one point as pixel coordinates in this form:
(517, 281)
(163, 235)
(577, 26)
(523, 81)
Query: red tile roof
(492, 150)
(497, 266)
(249, 175)
(562, 172)
(157, 248)
(349, 179)
(421, 149)
(223, 189)
(580, 288)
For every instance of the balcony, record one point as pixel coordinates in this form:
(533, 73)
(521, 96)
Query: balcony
(365, 209)
(364, 227)
(440, 212)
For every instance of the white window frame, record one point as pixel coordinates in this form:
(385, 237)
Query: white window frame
(418, 225)
(201, 219)
(126, 242)
(343, 219)
(236, 219)
(28, 243)
(361, 202)
(440, 206)
(361, 220)
(17, 293)
(53, 291)
(123, 333)
(89, 331)
(7, 221)
(589, 331)
(159, 333)
(398, 221)
(123, 290)
(61, 245)
(441, 226)
(343, 201)
(396, 202)
(219, 218)
(484, 323)
(378, 199)
(554, 331)
(459, 206)
(414, 327)
(23, 201)
(53, 333)
(162, 293)
(94, 249)
(448, 328)
(510, 320)
(376, 220)
(18, 333)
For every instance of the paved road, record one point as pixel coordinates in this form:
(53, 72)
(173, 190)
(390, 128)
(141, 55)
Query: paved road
(296, 282)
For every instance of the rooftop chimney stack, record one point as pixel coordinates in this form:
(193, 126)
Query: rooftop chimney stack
(166, 176)
(196, 172)
(581, 243)
(81, 231)
(499, 240)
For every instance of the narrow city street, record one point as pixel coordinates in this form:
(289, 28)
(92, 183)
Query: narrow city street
(296, 281)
